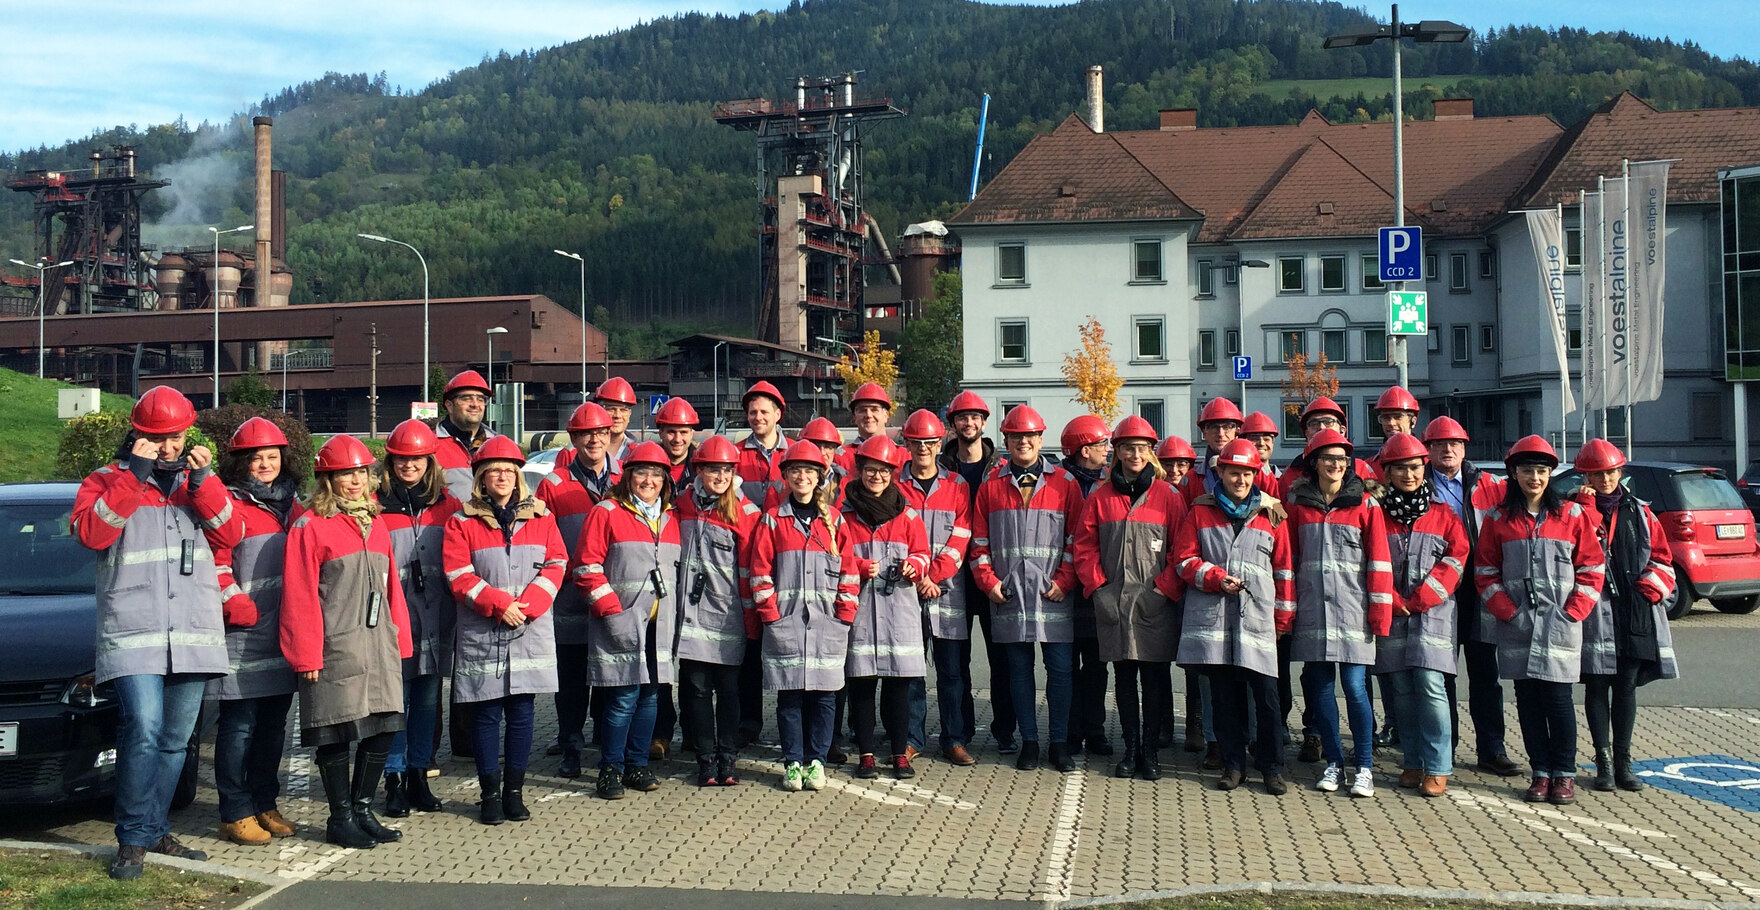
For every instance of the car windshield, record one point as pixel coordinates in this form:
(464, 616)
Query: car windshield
(1706, 490)
(42, 555)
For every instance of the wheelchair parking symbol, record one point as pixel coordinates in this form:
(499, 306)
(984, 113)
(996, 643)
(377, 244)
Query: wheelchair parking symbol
(1732, 782)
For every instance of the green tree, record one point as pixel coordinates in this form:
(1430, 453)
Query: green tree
(249, 388)
(436, 383)
(932, 367)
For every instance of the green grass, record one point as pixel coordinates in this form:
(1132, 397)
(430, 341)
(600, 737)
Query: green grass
(54, 880)
(1296, 900)
(1324, 89)
(29, 430)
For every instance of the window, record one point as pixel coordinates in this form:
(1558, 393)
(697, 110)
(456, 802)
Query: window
(1332, 345)
(1153, 410)
(1290, 344)
(1487, 264)
(1332, 279)
(1372, 272)
(1292, 421)
(1232, 274)
(1707, 417)
(1007, 406)
(1429, 266)
(1206, 278)
(1434, 344)
(1487, 338)
(1459, 337)
(1457, 272)
(1573, 247)
(1375, 345)
(1231, 343)
(1146, 262)
(1207, 349)
(1492, 414)
(1291, 274)
(1149, 332)
(1011, 263)
(1616, 424)
(1573, 330)
(1011, 341)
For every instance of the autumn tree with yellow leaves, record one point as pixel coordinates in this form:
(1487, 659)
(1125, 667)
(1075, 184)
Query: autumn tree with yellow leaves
(874, 364)
(1306, 383)
(1091, 371)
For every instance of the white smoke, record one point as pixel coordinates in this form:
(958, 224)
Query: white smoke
(204, 187)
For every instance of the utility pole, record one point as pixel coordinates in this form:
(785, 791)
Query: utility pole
(373, 388)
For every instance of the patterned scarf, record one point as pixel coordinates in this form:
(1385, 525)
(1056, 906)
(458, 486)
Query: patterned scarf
(361, 510)
(1404, 509)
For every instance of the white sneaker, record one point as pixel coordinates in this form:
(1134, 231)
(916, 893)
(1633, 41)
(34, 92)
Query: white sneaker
(1329, 779)
(815, 775)
(791, 777)
(1364, 785)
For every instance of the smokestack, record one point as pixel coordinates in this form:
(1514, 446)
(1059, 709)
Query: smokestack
(265, 212)
(1096, 100)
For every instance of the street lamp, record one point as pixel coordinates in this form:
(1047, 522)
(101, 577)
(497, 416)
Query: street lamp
(578, 258)
(284, 359)
(715, 377)
(491, 333)
(377, 238)
(41, 268)
(214, 291)
(1427, 32)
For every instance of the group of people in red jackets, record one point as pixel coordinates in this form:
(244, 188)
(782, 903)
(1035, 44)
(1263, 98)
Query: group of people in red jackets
(645, 584)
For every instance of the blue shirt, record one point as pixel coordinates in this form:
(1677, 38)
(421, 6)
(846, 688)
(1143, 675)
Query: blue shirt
(1450, 492)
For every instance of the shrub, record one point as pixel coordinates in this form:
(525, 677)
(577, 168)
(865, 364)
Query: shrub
(90, 442)
(220, 423)
(250, 389)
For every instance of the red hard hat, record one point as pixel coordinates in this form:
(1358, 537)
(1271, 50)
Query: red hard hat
(1322, 405)
(1531, 449)
(821, 429)
(715, 450)
(617, 391)
(1396, 398)
(1259, 423)
(1023, 419)
(923, 424)
(871, 391)
(257, 433)
(1444, 428)
(647, 453)
(589, 416)
(1599, 455)
(1240, 453)
(1401, 447)
(412, 438)
(968, 401)
(806, 451)
(883, 450)
(1176, 447)
(1326, 438)
(344, 453)
(1220, 409)
(1134, 427)
(498, 448)
(763, 388)
(676, 412)
(1084, 430)
(163, 411)
(469, 379)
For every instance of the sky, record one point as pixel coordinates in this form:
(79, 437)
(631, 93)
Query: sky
(208, 61)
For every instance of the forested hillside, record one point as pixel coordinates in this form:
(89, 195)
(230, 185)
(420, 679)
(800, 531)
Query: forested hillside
(605, 146)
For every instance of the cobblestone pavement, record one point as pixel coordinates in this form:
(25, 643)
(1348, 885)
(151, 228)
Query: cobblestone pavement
(990, 832)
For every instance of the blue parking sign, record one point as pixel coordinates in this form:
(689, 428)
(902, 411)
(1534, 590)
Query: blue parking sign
(1243, 368)
(1401, 251)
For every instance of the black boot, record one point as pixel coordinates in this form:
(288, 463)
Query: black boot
(1603, 770)
(1622, 773)
(415, 788)
(491, 811)
(1148, 757)
(571, 763)
(1127, 761)
(708, 774)
(396, 797)
(513, 795)
(367, 768)
(1061, 759)
(1194, 721)
(1029, 757)
(342, 829)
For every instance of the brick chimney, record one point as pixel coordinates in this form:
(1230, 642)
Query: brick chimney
(1179, 118)
(1453, 108)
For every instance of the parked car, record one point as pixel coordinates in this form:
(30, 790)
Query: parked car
(1710, 531)
(1749, 486)
(57, 729)
(539, 465)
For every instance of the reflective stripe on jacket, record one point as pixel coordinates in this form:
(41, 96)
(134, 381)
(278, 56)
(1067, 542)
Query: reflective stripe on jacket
(804, 591)
(1655, 585)
(712, 622)
(488, 572)
(1026, 548)
(1540, 580)
(1238, 630)
(946, 511)
(886, 636)
(417, 549)
(618, 560)
(250, 576)
(1429, 560)
(454, 456)
(1121, 549)
(757, 468)
(1482, 494)
(569, 501)
(1344, 581)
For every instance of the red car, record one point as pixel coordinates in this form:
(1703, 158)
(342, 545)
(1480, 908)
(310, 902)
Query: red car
(1710, 531)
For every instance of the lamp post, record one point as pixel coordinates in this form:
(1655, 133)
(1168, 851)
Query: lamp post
(379, 238)
(490, 365)
(855, 355)
(583, 262)
(284, 359)
(214, 290)
(41, 267)
(715, 377)
(1428, 31)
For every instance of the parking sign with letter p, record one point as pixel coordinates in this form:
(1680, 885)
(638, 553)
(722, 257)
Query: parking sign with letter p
(1402, 253)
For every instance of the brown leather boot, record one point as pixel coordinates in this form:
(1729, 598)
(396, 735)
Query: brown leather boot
(1434, 785)
(245, 831)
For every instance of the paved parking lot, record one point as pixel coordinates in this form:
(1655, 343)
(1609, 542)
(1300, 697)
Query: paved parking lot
(991, 832)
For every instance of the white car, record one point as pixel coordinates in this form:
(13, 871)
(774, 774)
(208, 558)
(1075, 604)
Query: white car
(539, 465)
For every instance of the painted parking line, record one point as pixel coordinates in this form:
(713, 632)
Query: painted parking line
(1722, 779)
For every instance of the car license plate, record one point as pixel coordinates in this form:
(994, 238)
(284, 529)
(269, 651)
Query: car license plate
(1730, 532)
(8, 739)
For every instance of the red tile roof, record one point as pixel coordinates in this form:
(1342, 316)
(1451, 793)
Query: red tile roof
(1074, 174)
(1626, 128)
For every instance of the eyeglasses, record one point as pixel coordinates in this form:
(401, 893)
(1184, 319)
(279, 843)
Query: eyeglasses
(470, 398)
(601, 433)
(796, 470)
(1133, 448)
(715, 469)
(1324, 423)
(501, 469)
(922, 443)
(1332, 459)
(877, 469)
(647, 473)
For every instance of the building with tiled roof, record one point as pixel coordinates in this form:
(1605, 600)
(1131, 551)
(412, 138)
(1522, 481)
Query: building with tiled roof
(1192, 246)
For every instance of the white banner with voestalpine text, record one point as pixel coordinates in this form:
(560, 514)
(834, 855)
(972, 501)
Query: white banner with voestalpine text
(1594, 303)
(1546, 230)
(1647, 196)
(1612, 333)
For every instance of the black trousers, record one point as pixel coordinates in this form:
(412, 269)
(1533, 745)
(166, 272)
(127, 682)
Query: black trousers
(571, 696)
(1232, 690)
(895, 710)
(1611, 703)
(1484, 700)
(1549, 726)
(709, 700)
(1142, 726)
(751, 691)
(1087, 705)
(1003, 721)
(666, 718)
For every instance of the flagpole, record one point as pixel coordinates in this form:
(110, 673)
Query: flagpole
(1582, 305)
(1625, 166)
(1601, 291)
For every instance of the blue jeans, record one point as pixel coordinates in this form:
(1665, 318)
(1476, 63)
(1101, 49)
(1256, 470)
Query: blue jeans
(1206, 696)
(248, 745)
(152, 738)
(1421, 712)
(413, 746)
(1023, 687)
(519, 712)
(804, 721)
(953, 690)
(1322, 704)
(629, 724)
